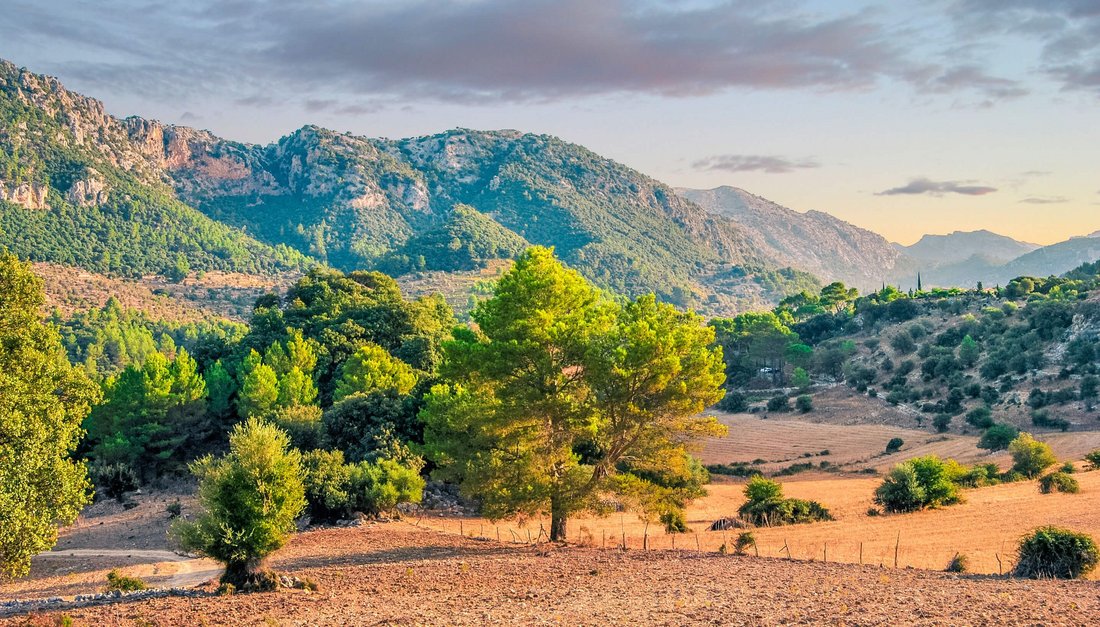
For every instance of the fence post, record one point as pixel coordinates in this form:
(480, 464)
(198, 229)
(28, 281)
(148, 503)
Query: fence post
(861, 554)
(896, 545)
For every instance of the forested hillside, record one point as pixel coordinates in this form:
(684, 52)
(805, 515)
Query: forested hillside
(1020, 356)
(74, 190)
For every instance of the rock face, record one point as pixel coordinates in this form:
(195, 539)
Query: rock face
(87, 192)
(813, 241)
(28, 195)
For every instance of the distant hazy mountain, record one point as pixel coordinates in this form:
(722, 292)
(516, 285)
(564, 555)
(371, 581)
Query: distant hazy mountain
(814, 241)
(993, 259)
(944, 250)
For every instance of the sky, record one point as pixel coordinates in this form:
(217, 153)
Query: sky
(901, 117)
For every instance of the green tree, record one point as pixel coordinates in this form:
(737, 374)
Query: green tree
(220, 388)
(250, 499)
(969, 351)
(259, 391)
(1030, 457)
(42, 403)
(800, 379)
(372, 369)
(560, 386)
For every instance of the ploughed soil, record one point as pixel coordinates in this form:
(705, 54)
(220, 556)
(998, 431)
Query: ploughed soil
(397, 573)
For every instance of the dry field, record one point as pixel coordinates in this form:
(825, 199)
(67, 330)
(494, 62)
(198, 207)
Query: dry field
(986, 526)
(396, 574)
(222, 294)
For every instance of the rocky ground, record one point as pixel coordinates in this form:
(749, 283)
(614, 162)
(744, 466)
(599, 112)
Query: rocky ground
(400, 574)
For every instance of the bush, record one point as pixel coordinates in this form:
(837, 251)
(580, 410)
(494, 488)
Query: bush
(1042, 418)
(917, 484)
(894, 445)
(744, 540)
(1055, 553)
(174, 509)
(766, 506)
(1068, 468)
(114, 480)
(942, 422)
(336, 490)
(980, 417)
(733, 402)
(1093, 460)
(804, 403)
(958, 564)
(1059, 482)
(303, 424)
(364, 424)
(998, 437)
(780, 403)
(674, 522)
(250, 499)
(1030, 457)
(122, 583)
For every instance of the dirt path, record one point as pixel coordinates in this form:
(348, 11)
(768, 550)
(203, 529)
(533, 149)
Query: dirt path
(188, 571)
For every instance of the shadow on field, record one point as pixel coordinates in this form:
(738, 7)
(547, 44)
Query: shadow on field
(399, 555)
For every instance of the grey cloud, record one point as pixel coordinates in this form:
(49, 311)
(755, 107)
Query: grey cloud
(939, 188)
(1067, 31)
(753, 163)
(471, 51)
(1045, 200)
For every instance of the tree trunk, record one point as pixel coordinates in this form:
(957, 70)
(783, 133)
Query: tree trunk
(557, 521)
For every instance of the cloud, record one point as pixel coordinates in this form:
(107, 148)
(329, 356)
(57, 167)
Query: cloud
(753, 163)
(190, 116)
(1066, 31)
(939, 188)
(1045, 200)
(473, 51)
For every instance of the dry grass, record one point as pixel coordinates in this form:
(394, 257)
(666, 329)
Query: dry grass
(222, 294)
(399, 575)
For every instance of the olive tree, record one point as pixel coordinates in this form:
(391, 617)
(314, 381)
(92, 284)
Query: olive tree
(43, 400)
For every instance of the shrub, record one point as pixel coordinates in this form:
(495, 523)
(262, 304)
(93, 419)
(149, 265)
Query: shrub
(903, 343)
(998, 437)
(917, 484)
(122, 583)
(980, 417)
(780, 403)
(174, 509)
(1093, 460)
(1055, 553)
(674, 522)
(250, 499)
(766, 506)
(1042, 418)
(804, 403)
(336, 490)
(114, 480)
(894, 445)
(958, 564)
(744, 540)
(303, 424)
(942, 422)
(1068, 468)
(1030, 457)
(733, 402)
(1059, 482)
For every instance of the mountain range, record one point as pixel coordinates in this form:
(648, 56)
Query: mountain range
(133, 196)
